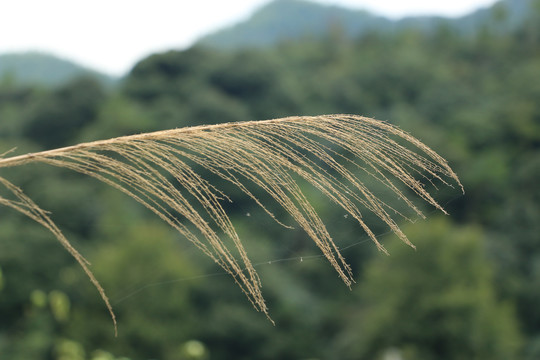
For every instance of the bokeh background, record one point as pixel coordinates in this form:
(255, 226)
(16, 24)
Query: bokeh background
(468, 86)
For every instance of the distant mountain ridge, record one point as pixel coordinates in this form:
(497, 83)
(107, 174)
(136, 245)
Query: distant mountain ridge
(278, 21)
(36, 68)
(282, 20)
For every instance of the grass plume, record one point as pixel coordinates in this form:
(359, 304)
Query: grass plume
(159, 170)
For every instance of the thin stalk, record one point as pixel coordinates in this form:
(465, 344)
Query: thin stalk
(30, 157)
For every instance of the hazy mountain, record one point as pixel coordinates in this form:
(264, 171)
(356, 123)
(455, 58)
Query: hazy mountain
(292, 19)
(34, 68)
(503, 16)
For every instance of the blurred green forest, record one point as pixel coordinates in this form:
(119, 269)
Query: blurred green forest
(470, 291)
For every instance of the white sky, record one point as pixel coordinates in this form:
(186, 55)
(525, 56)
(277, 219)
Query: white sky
(112, 35)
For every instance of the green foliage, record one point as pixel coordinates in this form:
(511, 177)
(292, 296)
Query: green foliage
(61, 115)
(143, 266)
(201, 86)
(443, 296)
(118, 116)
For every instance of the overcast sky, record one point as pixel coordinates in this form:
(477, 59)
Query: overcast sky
(112, 35)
